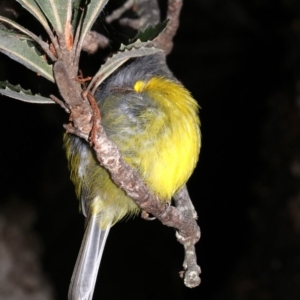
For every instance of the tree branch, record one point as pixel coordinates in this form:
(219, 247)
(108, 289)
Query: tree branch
(149, 14)
(165, 39)
(147, 11)
(184, 215)
(181, 217)
(94, 41)
(86, 123)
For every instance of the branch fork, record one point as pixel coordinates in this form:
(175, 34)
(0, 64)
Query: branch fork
(85, 120)
(180, 217)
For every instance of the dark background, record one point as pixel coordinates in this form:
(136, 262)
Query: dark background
(240, 60)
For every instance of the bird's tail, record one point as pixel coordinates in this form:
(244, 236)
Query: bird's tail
(88, 261)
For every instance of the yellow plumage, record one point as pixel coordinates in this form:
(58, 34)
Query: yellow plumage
(157, 133)
(154, 122)
(174, 154)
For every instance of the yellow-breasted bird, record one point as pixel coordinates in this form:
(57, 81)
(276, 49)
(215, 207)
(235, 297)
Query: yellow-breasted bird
(154, 122)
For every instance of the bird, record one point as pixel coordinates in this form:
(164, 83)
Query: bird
(154, 121)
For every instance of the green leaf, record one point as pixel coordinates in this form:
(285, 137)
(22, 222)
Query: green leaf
(35, 10)
(16, 92)
(137, 44)
(76, 13)
(117, 60)
(17, 48)
(20, 28)
(30, 34)
(150, 33)
(93, 9)
(58, 12)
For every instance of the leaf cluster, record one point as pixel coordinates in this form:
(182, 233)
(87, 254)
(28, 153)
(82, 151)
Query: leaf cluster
(67, 24)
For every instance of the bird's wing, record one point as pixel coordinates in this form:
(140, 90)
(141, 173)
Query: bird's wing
(88, 261)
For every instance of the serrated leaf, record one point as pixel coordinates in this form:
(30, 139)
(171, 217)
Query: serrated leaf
(93, 9)
(117, 60)
(76, 12)
(150, 33)
(135, 45)
(20, 28)
(35, 10)
(58, 12)
(27, 32)
(17, 92)
(16, 47)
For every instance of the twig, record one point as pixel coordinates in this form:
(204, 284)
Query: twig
(60, 103)
(165, 39)
(94, 41)
(184, 215)
(81, 113)
(149, 14)
(116, 14)
(147, 11)
(181, 218)
(85, 122)
(192, 270)
(183, 202)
